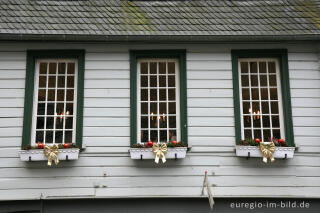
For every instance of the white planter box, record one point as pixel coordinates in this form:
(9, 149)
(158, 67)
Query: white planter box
(280, 152)
(38, 155)
(146, 153)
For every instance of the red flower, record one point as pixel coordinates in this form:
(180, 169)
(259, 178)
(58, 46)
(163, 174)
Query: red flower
(40, 145)
(66, 145)
(174, 143)
(281, 141)
(257, 140)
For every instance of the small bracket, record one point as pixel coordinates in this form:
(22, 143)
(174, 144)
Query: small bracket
(29, 158)
(67, 157)
(141, 156)
(285, 156)
(175, 156)
(248, 156)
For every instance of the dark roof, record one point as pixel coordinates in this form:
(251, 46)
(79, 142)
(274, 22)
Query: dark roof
(149, 18)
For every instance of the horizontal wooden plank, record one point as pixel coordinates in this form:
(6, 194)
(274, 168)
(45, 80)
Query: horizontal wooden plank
(11, 122)
(107, 74)
(11, 102)
(12, 74)
(107, 56)
(212, 74)
(210, 121)
(94, 121)
(12, 65)
(209, 65)
(305, 84)
(305, 102)
(10, 141)
(212, 149)
(11, 93)
(216, 56)
(106, 93)
(306, 65)
(211, 131)
(305, 93)
(11, 112)
(109, 149)
(107, 141)
(304, 112)
(105, 112)
(106, 131)
(113, 64)
(306, 121)
(107, 84)
(210, 93)
(304, 74)
(304, 56)
(307, 131)
(10, 131)
(12, 56)
(107, 102)
(9, 152)
(14, 84)
(309, 149)
(222, 112)
(210, 102)
(211, 141)
(307, 141)
(210, 84)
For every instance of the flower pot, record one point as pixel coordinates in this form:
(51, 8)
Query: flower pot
(146, 153)
(254, 151)
(38, 154)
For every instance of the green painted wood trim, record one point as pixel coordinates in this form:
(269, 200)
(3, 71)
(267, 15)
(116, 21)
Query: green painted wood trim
(32, 56)
(181, 56)
(282, 55)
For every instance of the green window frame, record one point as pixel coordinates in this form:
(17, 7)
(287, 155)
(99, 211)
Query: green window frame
(282, 56)
(32, 57)
(180, 55)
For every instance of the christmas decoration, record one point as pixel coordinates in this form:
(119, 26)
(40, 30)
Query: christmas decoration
(267, 149)
(66, 145)
(174, 142)
(51, 152)
(40, 145)
(257, 140)
(160, 150)
(150, 143)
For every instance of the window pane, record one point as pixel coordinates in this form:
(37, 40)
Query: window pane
(275, 121)
(163, 136)
(171, 81)
(144, 68)
(171, 67)
(266, 121)
(244, 80)
(256, 121)
(70, 95)
(276, 133)
(60, 95)
(69, 122)
(172, 121)
(153, 81)
(255, 94)
(255, 108)
(253, 67)
(262, 67)
(50, 122)
(254, 80)
(265, 107)
(144, 108)
(40, 123)
(43, 81)
(266, 135)
(172, 135)
(272, 67)
(62, 68)
(172, 94)
(272, 80)
(59, 122)
(61, 81)
(263, 80)
(154, 108)
(247, 121)
(43, 68)
(52, 82)
(42, 95)
(41, 109)
(60, 108)
(69, 110)
(153, 121)
(49, 136)
(153, 95)
(50, 109)
(257, 133)
(244, 67)
(52, 68)
(274, 107)
(246, 107)
(144, 136)
(58, 136)
(162, 81)
(247, 133)
(273, 94)
(68, 137)
(163, 121)
(245, 94)
(162, 94)
(264, 94)
(172, 108)
(163, 108)
(144, 95)
(144, 81)
(154, 135)
(39, 137)
(144, 121)
(162, 68)
(70, 81)
(51, 95)
(153, 68)
(71, 68)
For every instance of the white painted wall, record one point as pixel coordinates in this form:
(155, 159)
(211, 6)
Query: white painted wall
(105, 168)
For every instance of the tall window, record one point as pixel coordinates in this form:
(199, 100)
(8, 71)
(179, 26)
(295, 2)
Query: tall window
(55, 95)
(260, 99)
(158, 100)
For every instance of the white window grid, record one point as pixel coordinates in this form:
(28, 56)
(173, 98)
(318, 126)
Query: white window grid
(158, 114)
(63, 116)
(260, 101)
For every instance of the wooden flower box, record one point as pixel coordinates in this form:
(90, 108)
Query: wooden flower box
(38, 154)
(254, 151)
(146, 153)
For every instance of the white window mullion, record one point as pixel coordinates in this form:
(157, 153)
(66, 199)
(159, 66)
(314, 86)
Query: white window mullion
(269, 102)
(65, 105)
(260, 104)
(149, 113)
(250, 99)
(167, 100)
(55, 107)
(158, 104)
(46, 103)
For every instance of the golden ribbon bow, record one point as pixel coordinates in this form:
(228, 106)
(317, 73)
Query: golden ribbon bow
(267, 149)
(160, 150)
(51, 152)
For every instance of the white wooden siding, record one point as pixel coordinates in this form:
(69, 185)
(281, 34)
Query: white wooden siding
(105, 169)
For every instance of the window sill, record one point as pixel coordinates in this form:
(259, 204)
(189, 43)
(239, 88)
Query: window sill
(38, 155)
(146, 153)
(254, 151)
